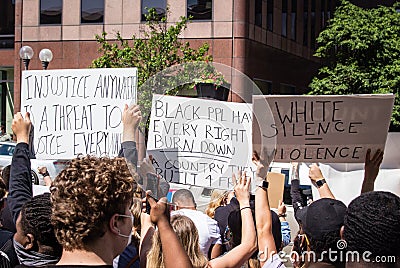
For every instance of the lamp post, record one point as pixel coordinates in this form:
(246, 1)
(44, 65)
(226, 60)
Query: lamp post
(26, 54)
(45, 57)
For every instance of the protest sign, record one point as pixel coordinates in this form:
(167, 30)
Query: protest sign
(275, 188)
(328, 129)
(77, 111)
(201, 142)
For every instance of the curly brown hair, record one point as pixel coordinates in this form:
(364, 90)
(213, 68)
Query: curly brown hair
(85, 195)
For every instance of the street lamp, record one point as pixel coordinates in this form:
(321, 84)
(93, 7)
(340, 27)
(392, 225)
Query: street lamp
(26, 54)
(45, 57)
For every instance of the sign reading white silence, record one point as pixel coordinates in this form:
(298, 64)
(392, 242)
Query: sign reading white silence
(77, 111)
(326, 129)
(200, 142)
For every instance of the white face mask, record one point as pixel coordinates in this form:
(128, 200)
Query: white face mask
(126, 236)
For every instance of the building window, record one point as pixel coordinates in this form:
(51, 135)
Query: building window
(323, 8)
(92, 11)
(258, 13)
(7, 23)
(284, 17)
(200, 9)
(305, 23)
(270, 15)
(160, 7)
(313, 22)
(50, 11)
(329, 10)
(293, 24)
(286, 89)
(264, 85)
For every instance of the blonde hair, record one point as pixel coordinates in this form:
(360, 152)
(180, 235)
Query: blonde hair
(218, 198)
(189, 238)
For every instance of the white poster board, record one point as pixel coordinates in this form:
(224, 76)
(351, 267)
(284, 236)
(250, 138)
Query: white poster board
(200, 142)
(77, 111)
(328, 129)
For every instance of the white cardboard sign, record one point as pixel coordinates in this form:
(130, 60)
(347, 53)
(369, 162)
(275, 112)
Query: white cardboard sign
(200, 142)
(77, 111)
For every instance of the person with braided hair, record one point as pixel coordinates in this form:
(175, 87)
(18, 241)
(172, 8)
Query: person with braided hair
(372, 227)
(34, 241)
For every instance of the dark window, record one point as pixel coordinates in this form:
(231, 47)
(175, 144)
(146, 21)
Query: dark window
(270, 15)
(284, 17)
(92, 11)
(258, 13)
(305, 23)
(323, 8)
(160, 7)
(7, 23)
(329, 10)
(264, 85)
(50, 11)
(313, 18)
(200, 9)
(293, 23)
(286, 89)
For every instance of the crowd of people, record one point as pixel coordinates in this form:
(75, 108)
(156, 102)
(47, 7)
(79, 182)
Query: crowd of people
(98, 215)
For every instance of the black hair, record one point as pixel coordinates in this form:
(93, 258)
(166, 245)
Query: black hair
(372, 223)
(5, 174)
(329, 242)
(2, 193)
(35, 220)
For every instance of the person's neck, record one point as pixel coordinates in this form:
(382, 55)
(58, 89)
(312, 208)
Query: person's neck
(80, 257)
(187, 207)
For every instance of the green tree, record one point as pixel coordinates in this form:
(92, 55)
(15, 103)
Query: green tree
(361, 53)
(157, 48)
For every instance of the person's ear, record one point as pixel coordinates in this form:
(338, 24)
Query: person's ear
(114, 224)
(29, 242)
(342, 232)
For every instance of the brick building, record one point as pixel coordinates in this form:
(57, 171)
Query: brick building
(272, 41)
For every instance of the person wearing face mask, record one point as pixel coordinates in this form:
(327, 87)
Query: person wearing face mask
(91, 200)
(34, 241)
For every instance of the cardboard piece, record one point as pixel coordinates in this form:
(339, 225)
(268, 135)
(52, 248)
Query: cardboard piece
(275, 188)
(326, 129)
(77, 111)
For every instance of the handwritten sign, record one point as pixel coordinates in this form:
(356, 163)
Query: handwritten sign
(77, 111)
(202, 142)
(325, 129)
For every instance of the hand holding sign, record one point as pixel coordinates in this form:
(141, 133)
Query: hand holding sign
(131, 118)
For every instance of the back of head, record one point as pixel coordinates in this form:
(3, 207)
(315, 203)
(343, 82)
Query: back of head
(218, 198)
(85, 195)
(372, 223)
(187, 234)
(183, 198)
(5, 174)
(35, 220)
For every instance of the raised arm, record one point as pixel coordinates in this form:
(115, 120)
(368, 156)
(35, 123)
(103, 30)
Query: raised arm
(297, 200)
(238, 255)
(265, 238)
(173, 252)
(371, 170)
(20, 173)
(131, 118)
(318, 180)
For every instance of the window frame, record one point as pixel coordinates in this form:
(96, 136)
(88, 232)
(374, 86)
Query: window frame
(201, 20)
(93, 23)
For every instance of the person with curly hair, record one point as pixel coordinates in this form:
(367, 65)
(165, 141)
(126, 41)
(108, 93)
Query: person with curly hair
(91, 200)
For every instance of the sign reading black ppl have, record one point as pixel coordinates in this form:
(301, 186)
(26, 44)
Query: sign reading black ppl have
(321, 128)
(200, 142)
(77, 111)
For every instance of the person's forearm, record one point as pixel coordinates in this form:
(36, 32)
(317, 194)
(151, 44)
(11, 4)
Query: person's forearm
(325, 192)
(248, 231)
(367, 186)
(265, 239)
(20, 179)
(297, 200)
(173, 251)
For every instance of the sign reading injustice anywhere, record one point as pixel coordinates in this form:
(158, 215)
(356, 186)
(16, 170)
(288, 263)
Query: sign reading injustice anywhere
(77, 111)
(322, 128)
(200, 142)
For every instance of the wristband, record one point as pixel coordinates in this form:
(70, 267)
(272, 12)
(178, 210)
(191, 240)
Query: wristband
(264, 185)
(321, 182)
(282, 215)
(45, 174)
(245, 208)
